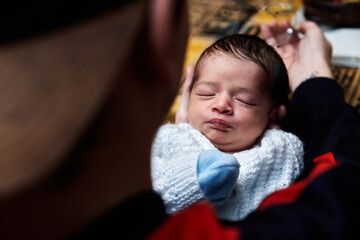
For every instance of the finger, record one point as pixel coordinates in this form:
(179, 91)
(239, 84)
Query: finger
(186, 88)
(182, 113)
(285, 24)
(276, 34)
(265, 31)
(268, 31)
(188, 79)
(307, 25)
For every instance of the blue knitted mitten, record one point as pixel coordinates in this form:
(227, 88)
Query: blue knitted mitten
(217, 173)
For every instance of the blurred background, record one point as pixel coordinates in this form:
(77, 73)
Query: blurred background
(339, 19)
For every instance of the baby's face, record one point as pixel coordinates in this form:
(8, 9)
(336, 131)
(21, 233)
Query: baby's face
(229, 103)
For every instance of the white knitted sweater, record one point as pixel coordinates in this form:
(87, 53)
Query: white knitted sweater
(269, 166)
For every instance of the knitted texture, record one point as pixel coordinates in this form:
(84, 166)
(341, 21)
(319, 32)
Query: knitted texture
(270, 165)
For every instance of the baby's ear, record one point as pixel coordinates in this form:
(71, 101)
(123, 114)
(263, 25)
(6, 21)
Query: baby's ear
(276, 116)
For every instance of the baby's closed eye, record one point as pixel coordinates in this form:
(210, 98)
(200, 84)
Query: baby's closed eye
(246, 99)
(205, 93)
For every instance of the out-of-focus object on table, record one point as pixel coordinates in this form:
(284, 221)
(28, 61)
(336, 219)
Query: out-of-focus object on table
(334, 13)
(346, 46)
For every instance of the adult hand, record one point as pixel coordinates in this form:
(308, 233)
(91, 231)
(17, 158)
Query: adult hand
(182, 112)
(305, 57)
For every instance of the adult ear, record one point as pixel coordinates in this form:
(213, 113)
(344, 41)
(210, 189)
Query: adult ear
(276, 116)
(160, 16)
(168, 33)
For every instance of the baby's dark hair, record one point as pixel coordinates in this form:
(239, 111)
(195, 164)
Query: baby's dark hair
(255, 49)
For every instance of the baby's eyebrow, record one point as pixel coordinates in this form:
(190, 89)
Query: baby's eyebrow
(247, 90)
(205, 83)
(235, 90)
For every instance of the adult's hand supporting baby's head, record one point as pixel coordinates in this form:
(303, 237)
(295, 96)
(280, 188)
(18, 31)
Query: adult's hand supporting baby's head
(182, 112)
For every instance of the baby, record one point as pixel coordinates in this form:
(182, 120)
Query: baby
(227, 153)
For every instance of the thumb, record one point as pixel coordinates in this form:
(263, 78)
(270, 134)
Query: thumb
(182, 112)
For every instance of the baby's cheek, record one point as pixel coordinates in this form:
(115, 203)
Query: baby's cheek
(252, 127)
(196, 116)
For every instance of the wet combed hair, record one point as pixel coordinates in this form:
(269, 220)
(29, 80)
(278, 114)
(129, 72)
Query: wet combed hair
(255, 49)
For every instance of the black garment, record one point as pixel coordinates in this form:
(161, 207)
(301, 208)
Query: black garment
(320, 117)
(135, 218)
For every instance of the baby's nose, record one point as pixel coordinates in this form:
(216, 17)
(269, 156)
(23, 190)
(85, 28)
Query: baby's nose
(223, 104)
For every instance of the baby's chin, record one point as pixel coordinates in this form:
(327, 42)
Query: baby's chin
(230, 147)
(225, 142)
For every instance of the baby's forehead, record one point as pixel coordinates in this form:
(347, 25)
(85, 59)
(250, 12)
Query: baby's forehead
(211, 62)
(214, 58)
(214, 62)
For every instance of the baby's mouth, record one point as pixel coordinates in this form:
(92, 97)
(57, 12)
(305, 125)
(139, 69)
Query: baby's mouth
(219, 124)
